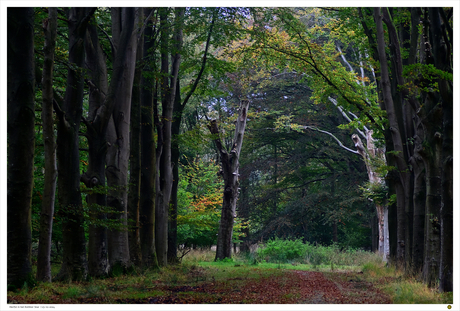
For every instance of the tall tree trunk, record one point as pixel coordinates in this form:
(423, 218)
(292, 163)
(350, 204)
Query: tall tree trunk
(432, 160)
(441, 137)
(49, 187)
(404, 114)
(74, 265)
(230, 165)
(124, 30)
(94, 177)
(370, 153)
(397, 133)
(179, 107)
(447, 230)
(175, 155)
(135, 159)
(441, 42)
(148, 159)
(21, 142)
(418, 243)
(431, 151)
(168, 92)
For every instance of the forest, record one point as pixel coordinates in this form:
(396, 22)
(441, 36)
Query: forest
(138, 135)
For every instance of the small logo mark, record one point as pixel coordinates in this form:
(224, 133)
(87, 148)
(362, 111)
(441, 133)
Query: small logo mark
(449, 307)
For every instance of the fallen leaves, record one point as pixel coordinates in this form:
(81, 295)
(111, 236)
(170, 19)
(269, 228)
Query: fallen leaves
(286, 287)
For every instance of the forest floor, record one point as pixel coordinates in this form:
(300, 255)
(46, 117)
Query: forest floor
(206, 285)
(227, 283)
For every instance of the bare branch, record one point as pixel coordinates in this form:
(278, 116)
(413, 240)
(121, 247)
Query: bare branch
(332, 100)
(313, 128)
(344, 59)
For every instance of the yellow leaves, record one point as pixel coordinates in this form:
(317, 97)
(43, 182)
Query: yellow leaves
(209, 202)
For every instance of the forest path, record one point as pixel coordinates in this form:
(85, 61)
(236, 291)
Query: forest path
(240, 285)
(291, 287)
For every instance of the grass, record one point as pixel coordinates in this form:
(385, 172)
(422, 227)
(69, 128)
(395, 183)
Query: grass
(401, 288)
(198, 268)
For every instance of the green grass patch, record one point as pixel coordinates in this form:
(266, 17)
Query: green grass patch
(401, 288)
(412, 292)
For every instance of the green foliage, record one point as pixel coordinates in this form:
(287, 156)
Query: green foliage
(278, 250)
(423, 77)
(199, 203)
(377, 192)
(226, 260)
(290, 251)
(72, 292)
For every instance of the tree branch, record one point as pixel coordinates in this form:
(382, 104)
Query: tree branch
(144, 24)
(313, 128)
(203, 62)
(332, 100)
(108, 38)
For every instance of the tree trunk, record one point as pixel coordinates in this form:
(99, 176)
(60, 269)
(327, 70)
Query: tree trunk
(418, 243)
(94, 177)
(175, 155)
(49, 187)
(442, 59)
(168, 92)
(148, 159)
(447, 231)
(135, 159)
(124, 30)
(21, 142)
(179, 107)
(369, 153)
(397, 132)
(230, 165)
(431, 151)
(74, 265)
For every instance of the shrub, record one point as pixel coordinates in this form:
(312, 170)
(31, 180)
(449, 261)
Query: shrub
(278, 250)
(282, 251)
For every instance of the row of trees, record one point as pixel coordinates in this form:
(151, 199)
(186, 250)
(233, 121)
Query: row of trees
(121, 88)
(388, 73)
(135, 90)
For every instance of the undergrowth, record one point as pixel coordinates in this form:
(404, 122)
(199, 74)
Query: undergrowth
(403, 289)
(296, 251)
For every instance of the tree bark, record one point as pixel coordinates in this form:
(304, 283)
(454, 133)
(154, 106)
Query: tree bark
(418, 243)
(175, 155)
(369, 153)
(21, 142)
(94, 177)
(230, 165)
(49, 187)
(74, 265)
(396, 129)
(179, 107)
(124, 33)
(135, 158)
(168, 93)
(442, 60)
(148, 159)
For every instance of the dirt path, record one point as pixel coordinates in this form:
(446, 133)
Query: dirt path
(293, 287)
(282, 287)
